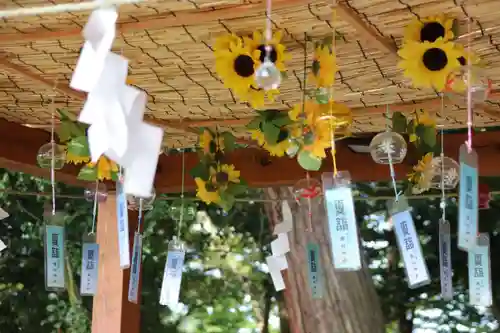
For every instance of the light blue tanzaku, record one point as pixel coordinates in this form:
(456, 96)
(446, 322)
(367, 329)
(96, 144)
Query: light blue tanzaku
(314, 270)
(468, 200)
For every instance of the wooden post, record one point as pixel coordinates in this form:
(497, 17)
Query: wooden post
(112, 312)
(350, 303)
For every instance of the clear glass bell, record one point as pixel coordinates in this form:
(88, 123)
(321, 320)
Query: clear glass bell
(44, 156)
(90, 191)
(267, 76)
(307, 189)
(387, 146)
(133, 202)
(445, 170)
(458, 82)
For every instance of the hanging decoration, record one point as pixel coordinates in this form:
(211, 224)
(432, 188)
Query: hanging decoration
(479, 263)
(135, 269)
(122, 223)
(430, 29)
(113, 109)
(280, 247)
(73, 135)
(217, 182)
(237, 60)
(54, 241)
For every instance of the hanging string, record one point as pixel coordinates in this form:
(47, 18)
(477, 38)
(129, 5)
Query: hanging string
(269, 32)
(389, 156)
(53, 147)
(469, 88)
(94, 211)
(181, 219)
(443, 194)
(330, 97)
(139, 219)
(309, 205)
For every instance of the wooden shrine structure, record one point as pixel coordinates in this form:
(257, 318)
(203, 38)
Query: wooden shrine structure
(169, 44)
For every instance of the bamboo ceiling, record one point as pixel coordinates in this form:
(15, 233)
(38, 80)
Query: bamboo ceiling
(169, 44)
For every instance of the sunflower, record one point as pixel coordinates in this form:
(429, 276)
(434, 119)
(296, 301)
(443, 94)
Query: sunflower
(317, 148)
(280, 147)
(236, 67)
(422, 174)
(105, 168)
(277, 53)
(256, 96)
(324, 67)
(74, 159)
(456, 80)
(224, 174)
(205, 195)
(323, 118)
(429, 29)
(209, 143)
(224, 42)
(429, 64)
(424, 118)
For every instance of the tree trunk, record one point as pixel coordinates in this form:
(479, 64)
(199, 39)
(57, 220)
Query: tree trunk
(350, 303)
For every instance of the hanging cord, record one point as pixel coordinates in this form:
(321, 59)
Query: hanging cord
(181, 219)
(309, 205)
(389, 156)
(94, 210)
(269, 31)
(53, 147)
(332, 89)
(469, 88)
(443, 194)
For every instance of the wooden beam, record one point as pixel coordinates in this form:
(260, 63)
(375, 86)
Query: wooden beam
(162, 21)
(19, 146)
(366, 33)
(112, 312)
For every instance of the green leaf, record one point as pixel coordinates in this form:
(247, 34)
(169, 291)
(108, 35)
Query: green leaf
(271, 133)
(254, 124)
(79, 146)
(227, 201)
(65, 115)
(64, 131)
(427, 134)
(229, 141)
(200, 171)
(322, 96)
(283, 120)
(308, 161)
(88, 173)
(315, 67)
(114, 176)
(236, 189)
(399, 122)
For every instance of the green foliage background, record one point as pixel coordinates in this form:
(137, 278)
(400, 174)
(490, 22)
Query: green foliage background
(225, 288)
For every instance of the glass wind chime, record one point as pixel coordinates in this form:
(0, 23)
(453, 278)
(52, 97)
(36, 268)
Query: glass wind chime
(339, 201)
(52, 156)
(390, 148)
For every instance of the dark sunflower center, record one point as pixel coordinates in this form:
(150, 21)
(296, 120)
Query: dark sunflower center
(431, 31)
(212, 146)
(462, 61)
(282, 136)
(222, 177)
(435, 59)
(273, 55)
(243, 65)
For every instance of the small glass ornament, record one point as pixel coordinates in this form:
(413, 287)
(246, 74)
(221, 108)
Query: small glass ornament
(102, 193)
(451, 175)
(133, 202)
(388, 146)
(307, 189)
(458, 82)
(175, 209)
(44, 156)
(267, 76)
(293, 149)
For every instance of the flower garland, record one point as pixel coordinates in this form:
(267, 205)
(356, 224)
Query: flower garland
(421, 131)
(429, 57)
(237, 59)
(217, 182)
(73, 135)
(306, 130)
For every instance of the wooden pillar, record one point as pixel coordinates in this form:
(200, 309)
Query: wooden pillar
(350, 303)
(112, 312)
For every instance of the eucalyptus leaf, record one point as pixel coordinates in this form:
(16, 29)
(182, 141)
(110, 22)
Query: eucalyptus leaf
(399, 122)
(200, 171)
(271, 133)
(229, 141)
(254, 124)
(88, 173)
(79, 146)
(308, 161)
